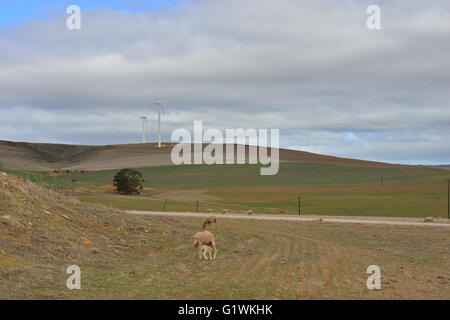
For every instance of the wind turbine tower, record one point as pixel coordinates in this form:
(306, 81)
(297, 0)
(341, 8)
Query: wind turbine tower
(144, 127)
(159, 104)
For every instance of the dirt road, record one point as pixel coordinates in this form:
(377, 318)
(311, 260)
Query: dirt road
(359, 220)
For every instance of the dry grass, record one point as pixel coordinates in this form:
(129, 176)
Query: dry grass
(150, 257)
(49, 230)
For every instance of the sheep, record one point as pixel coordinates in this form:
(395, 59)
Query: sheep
(204, 238)
(210, 220)
(204, 250)
(250, 212)
(209, 210)
(428, 219)
(224, 211)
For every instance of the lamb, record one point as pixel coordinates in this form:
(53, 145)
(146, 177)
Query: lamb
(204, 250)
(204, 238)
(428, 219)
(210, 220)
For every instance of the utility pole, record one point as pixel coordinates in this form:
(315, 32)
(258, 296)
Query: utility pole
(299, 205)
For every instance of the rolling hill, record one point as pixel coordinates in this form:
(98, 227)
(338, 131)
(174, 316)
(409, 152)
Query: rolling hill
(328, 185)
(46, 157)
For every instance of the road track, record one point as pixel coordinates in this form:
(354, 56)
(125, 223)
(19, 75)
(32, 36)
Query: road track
(329, 219)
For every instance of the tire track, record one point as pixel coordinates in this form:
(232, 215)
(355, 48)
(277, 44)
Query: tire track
(257, 274)
(284, 280)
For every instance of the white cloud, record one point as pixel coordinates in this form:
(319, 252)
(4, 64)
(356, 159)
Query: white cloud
(310, 68)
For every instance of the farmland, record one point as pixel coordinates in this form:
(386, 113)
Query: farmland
(147, 257)
(257, 260)
(325, 189)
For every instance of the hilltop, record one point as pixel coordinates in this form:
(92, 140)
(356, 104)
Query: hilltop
(46, 157)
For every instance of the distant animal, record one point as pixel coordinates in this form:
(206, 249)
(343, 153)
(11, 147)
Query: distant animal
(210, 220)
(204, 238)
(317, 220)
(249, 212)
(206, 250)
(224, 211)
(428, 219)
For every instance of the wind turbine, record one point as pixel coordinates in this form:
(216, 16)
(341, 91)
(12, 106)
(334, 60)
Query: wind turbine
(144, 127)
(159, 104)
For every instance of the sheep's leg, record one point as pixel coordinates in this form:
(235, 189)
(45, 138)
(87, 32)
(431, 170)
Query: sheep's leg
(193, 248)
(210, 256)
(215, 249)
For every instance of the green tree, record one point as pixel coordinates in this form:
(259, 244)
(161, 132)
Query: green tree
(128, 181)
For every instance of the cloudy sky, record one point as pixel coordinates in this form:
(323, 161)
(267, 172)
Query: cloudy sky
(310, 68)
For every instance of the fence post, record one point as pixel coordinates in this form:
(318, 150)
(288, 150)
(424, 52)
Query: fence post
(299, 205)
(197, 206)
(448, 199)
(164, 206)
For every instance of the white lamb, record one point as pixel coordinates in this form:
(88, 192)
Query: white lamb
(205, 249)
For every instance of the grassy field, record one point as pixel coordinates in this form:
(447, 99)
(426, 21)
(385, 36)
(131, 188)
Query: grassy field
(325, 189)
(258, 260)
(42, 232)
(231, 176)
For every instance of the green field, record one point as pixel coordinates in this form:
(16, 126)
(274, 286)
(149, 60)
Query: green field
(132, 256)
(325, 189)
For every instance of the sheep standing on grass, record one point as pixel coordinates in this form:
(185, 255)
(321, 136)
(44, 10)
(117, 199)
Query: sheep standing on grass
(428, 219)
(206, 250)
(210, 220)
(204, 238)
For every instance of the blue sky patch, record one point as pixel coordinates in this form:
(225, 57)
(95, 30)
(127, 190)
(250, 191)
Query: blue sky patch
(22, 11)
